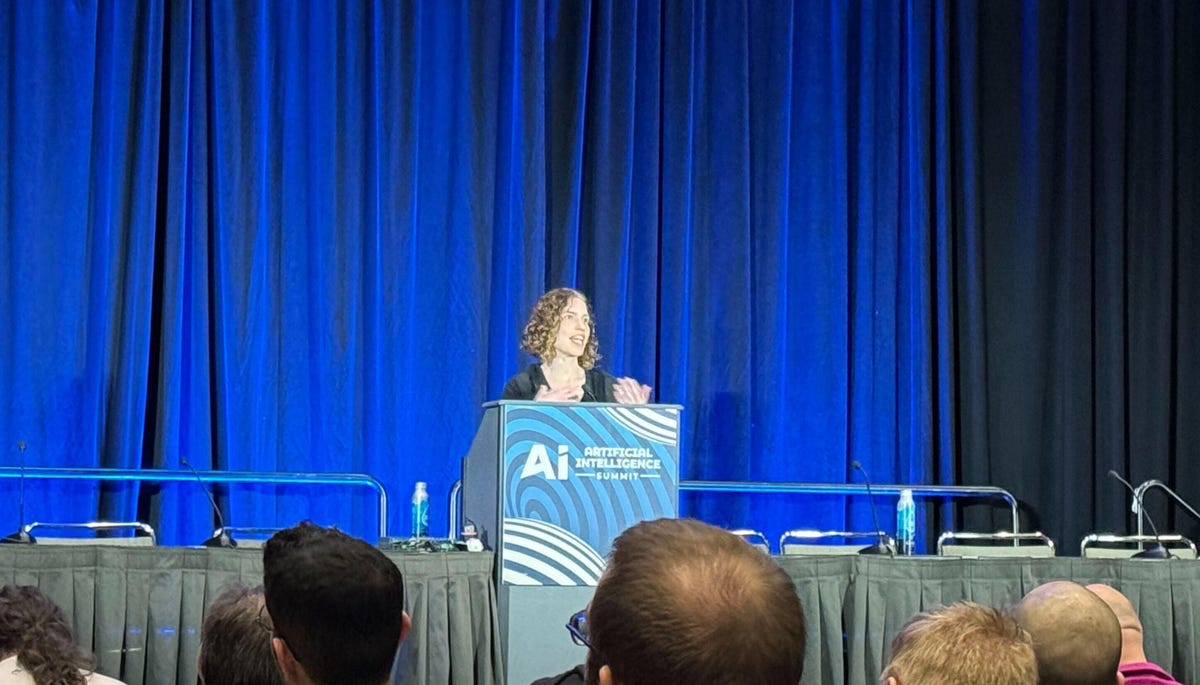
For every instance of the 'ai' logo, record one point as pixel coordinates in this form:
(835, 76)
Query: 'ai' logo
(538, 463)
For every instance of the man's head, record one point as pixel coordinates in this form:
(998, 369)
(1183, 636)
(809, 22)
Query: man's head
(235, 642)
(337, 604)
(962, 643)
(684, 602)
(1132, 649)
(1075, 635)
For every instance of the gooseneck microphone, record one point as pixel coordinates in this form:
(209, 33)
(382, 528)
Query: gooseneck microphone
(20, 537)
(221, 537)
(880, 547)
(1157, 550)
(1145, 487)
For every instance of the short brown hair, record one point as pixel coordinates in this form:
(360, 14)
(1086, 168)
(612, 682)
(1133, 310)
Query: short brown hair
(962, 643)
(542, 328)
(684, 602)
(235, 642)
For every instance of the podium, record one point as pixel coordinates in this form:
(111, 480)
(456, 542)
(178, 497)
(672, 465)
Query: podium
(549, 486)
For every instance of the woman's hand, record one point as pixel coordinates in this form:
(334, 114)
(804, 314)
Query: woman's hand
(628, 391)
(565, 394)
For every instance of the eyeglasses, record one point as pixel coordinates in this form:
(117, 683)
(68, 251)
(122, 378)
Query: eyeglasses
(577, 626)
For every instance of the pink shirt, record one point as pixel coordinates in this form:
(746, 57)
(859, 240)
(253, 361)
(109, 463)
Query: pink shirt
(1145, 673)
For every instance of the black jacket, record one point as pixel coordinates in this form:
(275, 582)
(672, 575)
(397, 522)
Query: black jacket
(597, 385)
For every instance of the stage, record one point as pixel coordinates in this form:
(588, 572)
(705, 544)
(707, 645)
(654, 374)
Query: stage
(141, 609)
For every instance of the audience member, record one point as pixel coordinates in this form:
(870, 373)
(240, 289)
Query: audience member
(337, 605)
(1076, 636)
(235, 642)
(684, 602)
(37, 646)
(1137, 669)
(962, 644)
(575, 676)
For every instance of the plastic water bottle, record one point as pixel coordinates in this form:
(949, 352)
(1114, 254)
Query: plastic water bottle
(906, 522)
(420, 511)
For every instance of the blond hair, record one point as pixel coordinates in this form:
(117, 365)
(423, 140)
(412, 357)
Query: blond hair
(963, 643)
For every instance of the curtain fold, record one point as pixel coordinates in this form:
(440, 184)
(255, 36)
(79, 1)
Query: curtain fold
(78, 193)
(952, 241)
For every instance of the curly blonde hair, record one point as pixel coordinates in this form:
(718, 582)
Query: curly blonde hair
(542, 328)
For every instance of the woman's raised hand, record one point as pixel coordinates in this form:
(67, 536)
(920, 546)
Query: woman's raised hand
(628, 391)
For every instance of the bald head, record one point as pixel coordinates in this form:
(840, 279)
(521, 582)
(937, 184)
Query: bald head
(1132, 650)
(1076, 636)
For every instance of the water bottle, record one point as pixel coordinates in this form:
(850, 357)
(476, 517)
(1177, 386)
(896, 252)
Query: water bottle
(906, 522)
(420, 511)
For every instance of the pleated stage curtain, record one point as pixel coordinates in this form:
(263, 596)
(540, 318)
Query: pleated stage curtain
(951, 240)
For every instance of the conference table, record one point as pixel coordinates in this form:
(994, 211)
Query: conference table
(140, 609)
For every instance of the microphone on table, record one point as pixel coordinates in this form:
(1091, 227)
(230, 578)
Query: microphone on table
(220, 537)
(880, 547)
(1157, 550)
(20, 537)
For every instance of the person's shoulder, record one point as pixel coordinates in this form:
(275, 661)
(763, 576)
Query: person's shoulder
(12, 673)
(100, 679)
(1145, 673)
(575, 676)
(522, 386)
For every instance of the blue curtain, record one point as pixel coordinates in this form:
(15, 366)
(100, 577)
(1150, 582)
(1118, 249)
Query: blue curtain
(935, 237)
(78, 187)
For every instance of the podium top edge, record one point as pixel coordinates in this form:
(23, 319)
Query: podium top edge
(598, 405)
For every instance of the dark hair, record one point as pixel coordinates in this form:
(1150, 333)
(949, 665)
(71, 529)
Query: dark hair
(684, 602)
(235, 642)
(541, 330)
(336, 601)
(34, 629)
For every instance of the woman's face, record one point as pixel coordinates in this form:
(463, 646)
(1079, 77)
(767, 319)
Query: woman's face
(574, 329)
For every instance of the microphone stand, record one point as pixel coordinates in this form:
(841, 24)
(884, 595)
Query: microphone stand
(1157, 550)
(220, 537)
(880, 547)
(20, 537)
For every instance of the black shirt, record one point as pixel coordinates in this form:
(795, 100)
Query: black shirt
(597, 385)
(575, 676)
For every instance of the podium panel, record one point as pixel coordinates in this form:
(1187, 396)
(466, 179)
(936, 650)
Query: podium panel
(550, 486)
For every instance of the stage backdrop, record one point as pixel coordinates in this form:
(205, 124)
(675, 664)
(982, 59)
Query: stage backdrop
(953, 240)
